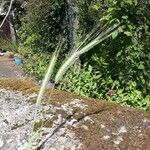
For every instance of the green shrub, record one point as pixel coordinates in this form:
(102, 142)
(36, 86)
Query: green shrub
(125, 57)
(43, 25)
(36, 65)
(88, 82)
(81, 81)
(128, 95)
(6, 44)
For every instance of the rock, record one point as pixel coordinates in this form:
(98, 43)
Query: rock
(68, 122)
(10, 54)
(1, 143)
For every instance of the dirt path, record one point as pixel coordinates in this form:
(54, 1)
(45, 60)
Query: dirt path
(8, 69)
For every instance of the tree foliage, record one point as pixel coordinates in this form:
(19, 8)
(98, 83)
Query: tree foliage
(121, 63)
(126, 55)
(43, 25)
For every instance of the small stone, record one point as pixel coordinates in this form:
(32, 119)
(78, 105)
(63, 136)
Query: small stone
(102, 126)
(106, 137)
(87, 118)
(9, 141)
(84, 127)
(1, 143)
(71, 122)
(118, 140)
(122, 130)
(145, 120)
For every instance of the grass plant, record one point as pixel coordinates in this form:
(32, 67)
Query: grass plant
(94, 38)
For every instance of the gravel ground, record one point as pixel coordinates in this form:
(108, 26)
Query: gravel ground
(16, 120)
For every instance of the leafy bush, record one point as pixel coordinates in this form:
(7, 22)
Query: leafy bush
(129, 95)
(90, 83)
(81, 81)
(125, 57)
(43, 25)
(36, 65)
(6, 44)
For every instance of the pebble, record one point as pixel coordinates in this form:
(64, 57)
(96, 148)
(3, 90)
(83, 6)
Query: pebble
(1, 143)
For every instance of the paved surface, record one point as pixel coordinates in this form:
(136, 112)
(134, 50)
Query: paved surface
(8, 69)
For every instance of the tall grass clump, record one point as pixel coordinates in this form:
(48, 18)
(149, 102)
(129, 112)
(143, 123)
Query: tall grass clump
(95, 38)
(7, 44)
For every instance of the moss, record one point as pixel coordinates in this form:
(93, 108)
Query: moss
(27, 87)
(56, 97)
(42, 123)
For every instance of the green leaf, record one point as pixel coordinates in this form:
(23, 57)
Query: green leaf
(114, 34)
(129, 2)
(95, 7)
(141, 67)
(125, 17)
(128, 33)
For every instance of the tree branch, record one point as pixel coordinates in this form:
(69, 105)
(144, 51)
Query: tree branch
(10, 6)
